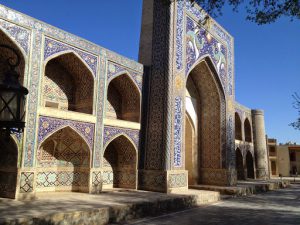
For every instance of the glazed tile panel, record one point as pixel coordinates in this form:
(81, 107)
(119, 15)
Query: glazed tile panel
(49, 125)
(53, 47)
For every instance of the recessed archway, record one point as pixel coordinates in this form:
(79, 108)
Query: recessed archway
(9, 148)
(207, 99)
(8, 167)
(68, 84)
(239, 165)
(123, 99)
(120, 164)
(250, 165)
(5, 54)
(238, 127)
(247, 129)
(64, 162)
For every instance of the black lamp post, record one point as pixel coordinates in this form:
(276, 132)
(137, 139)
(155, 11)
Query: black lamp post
(12, 97)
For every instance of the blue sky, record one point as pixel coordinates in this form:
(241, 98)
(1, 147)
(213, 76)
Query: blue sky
(267, 58)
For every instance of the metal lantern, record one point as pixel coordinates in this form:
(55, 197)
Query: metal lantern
(12, 97)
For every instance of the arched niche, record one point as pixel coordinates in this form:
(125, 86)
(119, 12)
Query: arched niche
(8, 167)
(6, 54)
(208, 100)
(238, 127)
(239, 165)
(64, 163)
(248, 130)
(68, 84)
(250, 165)
(123, 99)
(120, 164)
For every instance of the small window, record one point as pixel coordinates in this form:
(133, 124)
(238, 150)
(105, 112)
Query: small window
(52, 104)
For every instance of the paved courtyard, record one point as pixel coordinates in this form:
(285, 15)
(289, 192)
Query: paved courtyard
(272, 208)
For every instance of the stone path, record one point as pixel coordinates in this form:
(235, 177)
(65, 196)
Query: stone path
(80, 208)
(281, 207)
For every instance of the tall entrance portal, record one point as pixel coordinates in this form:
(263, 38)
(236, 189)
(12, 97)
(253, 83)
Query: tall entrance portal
(188, 133)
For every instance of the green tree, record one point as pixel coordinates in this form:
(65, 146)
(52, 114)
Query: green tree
(258, 11)
(296, 105)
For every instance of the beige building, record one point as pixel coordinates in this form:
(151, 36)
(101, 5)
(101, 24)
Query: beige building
(273, 157)
(289, 159)
(284, 159)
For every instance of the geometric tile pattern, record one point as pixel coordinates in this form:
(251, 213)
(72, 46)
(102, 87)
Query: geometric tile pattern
(53, 47)
(177, 180)
(62, 179)
(26, 182)
(64, 148)
(120, 157)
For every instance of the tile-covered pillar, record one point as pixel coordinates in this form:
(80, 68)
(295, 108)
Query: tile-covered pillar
(156, 51)
(27, 175)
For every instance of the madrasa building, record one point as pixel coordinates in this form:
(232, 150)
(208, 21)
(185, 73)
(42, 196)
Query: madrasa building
(96, 120)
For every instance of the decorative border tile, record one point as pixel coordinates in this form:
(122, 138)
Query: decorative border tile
(53, 47)
(49, 125)
(19, 34)
(199, 44)
(178, 133)
(26, 182)
(114, 70)
(111, 132)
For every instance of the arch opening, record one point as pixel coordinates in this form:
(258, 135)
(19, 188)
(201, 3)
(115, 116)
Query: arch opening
(205, 102)
(123, 99)
(238, 127)
(8, 167)
(239, 165)
(247, 128)
(68, 84)
(250, 165)
(120, 164)
(63, 161)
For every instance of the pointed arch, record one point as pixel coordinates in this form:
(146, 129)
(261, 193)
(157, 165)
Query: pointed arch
(68, 83)
(69, 51)
(123, 98)
(247, 130)
(6, 39)
(120, 163)
(238, 127)
(60, 128)
(211, 112)
(66, 158)
(127, 73)
(126, 136)
(239, 164)
(8, 167)
(250, 165)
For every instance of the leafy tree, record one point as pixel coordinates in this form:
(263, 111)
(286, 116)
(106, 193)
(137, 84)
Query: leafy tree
(258, 11)
(296, 105)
